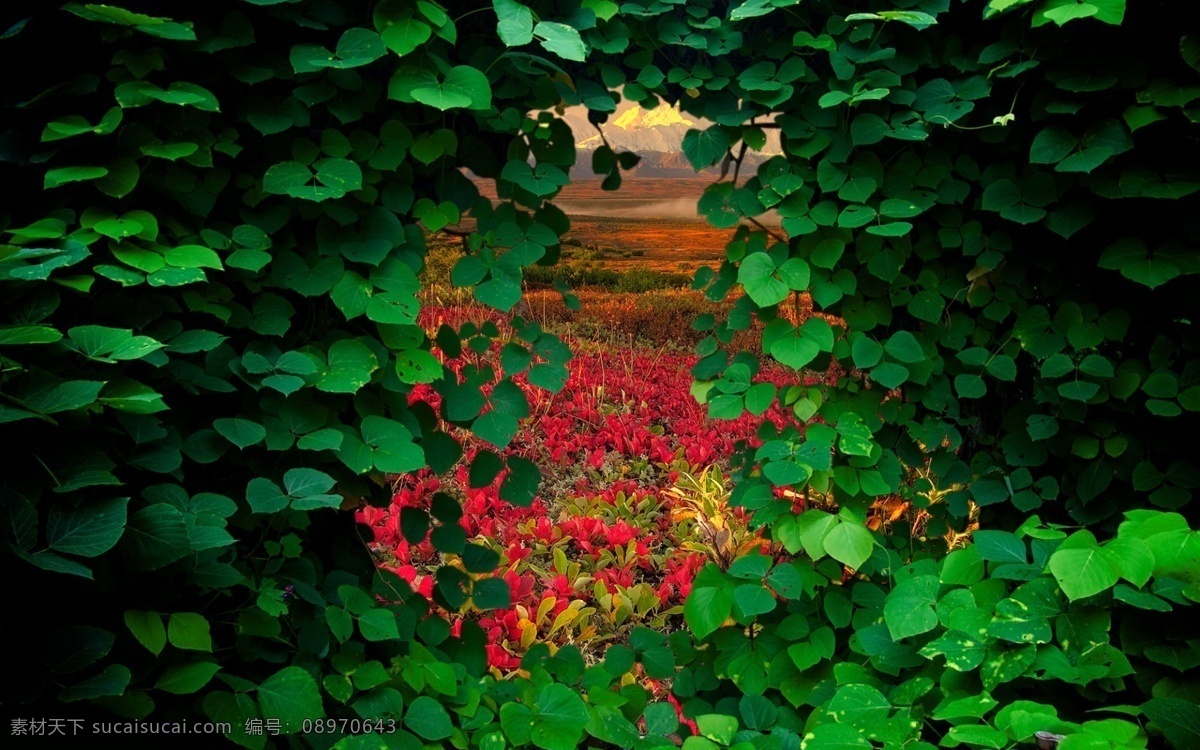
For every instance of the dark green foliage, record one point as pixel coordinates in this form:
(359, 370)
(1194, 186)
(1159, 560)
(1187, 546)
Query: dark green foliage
(210, 272)
(210, 287)
(997, 217)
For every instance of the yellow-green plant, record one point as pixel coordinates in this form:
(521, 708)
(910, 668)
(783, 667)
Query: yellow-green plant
(719, 529)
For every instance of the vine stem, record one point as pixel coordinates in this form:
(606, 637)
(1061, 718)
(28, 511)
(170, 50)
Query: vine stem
(472, 12)
(768, 230)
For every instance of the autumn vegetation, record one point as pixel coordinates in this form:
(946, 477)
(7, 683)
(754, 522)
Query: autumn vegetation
(303, 424)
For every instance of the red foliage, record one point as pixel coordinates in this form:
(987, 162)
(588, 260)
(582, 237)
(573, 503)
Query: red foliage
(616, 433)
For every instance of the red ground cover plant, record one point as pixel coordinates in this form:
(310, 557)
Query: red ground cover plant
(630, 506)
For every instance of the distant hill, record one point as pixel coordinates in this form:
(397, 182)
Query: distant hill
(656, 135)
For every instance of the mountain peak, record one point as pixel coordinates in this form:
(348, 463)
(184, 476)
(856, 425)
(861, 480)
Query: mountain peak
(636, 118)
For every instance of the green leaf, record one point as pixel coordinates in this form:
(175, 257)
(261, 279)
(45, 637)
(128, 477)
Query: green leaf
(962, 567)
(241, 432)
(752, 600)
(794, 350)
(148, 628)
(122, 177)
(849, 544)
(77, 647)
(496, 427)
(65, 175)
(809, 532)
(378, 625)
(904, 347)
(111, 344)
(309, 489)
(661, 719)
(757, 712)
(550, 377)
(88, 530)
(55, 563)
(428, 719)
(866, 352)
(704, 148)
(515, 22)
(490, 593)
(22, 335)
(542, 180)
(560, 39)
(350, 365)
(192, 256)
(463, 86)
(757, 274)
(186, 679)
(61, 397)
(1061, 13)
(1178, 719)
(909, 607)
(264, 496)
(151, 25)
(291, 696)
(855, 438)
(604, 9)
(561, 718)
(861, 706)
(170, 151)
(1051, 146)
(710, 602)
(118, 229)
(112, 681)
(286, 177)
(477, 558)
(1084, 572)
(521, 485)
(392, 448)
(717, 727)
(358, 47)
(404, 35)
(156, 536)
(759, 398)
(1135, 559)
(796, 273)
(1134, 261)
(868, 129)
(18, 521)
(999, 546)
(179, 93)
(659, 663)
(963, 652)
(855, 216)
(969, 385)
(716, 204)
(175, 277)
(785, 579)
(189, 630)
(340, 175)
(837, 737)
(927, 306)
(916, 19)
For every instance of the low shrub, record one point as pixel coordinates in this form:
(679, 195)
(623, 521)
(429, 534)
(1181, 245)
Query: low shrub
(573, 274)
(583, 274)
(579, 251)
(648, 279)
(632, 504)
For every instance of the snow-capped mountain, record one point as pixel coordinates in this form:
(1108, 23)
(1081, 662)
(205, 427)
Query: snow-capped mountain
(660, 129)
(656, 135)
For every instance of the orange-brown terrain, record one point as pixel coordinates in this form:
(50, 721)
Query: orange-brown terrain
(651, 222)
